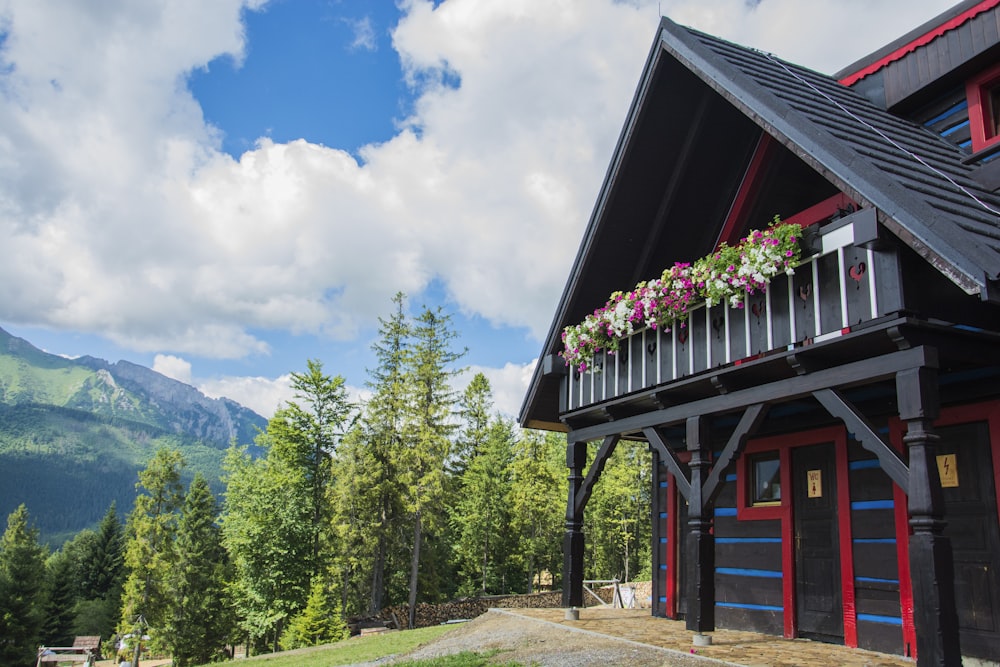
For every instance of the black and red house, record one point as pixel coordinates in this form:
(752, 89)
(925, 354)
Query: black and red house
(826, 457)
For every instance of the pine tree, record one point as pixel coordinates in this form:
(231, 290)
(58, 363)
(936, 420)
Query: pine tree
(22, 591)
(199, 622)
(149, 549)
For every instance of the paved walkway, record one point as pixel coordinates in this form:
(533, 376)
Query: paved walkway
(733, 647)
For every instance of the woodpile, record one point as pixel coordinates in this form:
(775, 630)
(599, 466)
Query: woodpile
(426, 615)
(463, 609)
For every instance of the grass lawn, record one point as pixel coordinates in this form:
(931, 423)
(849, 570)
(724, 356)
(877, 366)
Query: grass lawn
(364, 649)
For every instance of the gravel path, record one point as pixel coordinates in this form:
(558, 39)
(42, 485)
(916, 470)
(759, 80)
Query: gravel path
(539, 642)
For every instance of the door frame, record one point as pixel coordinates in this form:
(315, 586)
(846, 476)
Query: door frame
(837, 435)
(988, 411)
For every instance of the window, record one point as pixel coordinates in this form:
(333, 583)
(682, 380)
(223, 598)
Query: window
(983, 93)
(765, 479)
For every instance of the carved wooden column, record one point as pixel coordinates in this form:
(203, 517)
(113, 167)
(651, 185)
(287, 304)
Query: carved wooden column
(576, 460)
(700, 551)
(931, 565)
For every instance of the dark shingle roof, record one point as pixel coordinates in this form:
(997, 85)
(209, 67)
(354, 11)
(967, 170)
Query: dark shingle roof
(918, 182)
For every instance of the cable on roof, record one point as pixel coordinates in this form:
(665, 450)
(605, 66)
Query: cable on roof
(882, 134)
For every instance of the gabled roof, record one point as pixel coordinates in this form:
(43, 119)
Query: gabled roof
(701, 105)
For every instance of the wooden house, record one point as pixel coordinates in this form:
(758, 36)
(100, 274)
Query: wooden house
(827, 456)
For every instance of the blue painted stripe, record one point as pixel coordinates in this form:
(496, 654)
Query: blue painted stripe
(748, 540)
(663, 540)
(873, 505)
(955, 128)
(759, 607)
(663, 485)
(944, 114)
(663, 598)
(663, 566)
(663, 515)
(872, 618)
(730, 478)
(744, 572)
(876, 580)
(863, 465)
(725, 511)
(875, 540)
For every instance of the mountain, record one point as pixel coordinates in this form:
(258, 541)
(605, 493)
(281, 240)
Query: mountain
(75, 432)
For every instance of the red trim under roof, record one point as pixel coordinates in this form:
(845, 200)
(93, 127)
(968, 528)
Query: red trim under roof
(924, 39)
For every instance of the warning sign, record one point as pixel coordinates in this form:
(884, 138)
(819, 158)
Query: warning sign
(947, 470)
(815, 480)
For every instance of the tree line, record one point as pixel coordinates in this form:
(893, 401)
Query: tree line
(420, 493)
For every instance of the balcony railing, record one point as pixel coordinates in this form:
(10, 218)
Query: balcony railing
(831, 291)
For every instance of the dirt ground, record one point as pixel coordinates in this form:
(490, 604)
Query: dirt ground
(605, 636)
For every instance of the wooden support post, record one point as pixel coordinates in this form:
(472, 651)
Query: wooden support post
(700, 552)
(931, 566)
(576, 460)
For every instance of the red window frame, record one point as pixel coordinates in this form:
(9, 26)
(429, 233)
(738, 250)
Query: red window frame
(982, 115)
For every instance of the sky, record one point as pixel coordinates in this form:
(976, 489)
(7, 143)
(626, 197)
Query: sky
(224, 190)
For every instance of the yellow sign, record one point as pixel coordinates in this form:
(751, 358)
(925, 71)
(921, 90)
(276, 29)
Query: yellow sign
(815, 480)
(947, 470)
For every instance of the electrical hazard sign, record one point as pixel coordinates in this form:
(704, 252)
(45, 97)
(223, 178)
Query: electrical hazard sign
(947, 470)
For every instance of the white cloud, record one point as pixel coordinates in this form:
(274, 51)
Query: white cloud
(509, 384)
(173, 367)
(120, 215)
(263, 395)
(260, 394)
(364, 34)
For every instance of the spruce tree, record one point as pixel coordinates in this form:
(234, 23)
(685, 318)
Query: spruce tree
(308, 433)
(199, 623)
(377, 455)
(430, 367)
(59, 616)
(481, 515)
(320, 622)
(22, 591)
(537, 502)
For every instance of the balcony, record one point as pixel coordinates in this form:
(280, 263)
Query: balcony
(846, 282)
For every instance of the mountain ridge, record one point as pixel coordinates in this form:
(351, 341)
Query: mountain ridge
(74, 433)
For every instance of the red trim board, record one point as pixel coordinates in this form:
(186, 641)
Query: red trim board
(923, 40)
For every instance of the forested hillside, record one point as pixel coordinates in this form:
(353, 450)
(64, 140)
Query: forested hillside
(420, 494)
(74, 433)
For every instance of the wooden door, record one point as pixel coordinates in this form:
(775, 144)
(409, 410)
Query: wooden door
(971, 511)
(819, 609)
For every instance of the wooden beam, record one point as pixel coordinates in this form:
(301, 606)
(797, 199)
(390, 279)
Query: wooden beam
(854, 373)
(748, 190)
(596, 468)
(671, 461)
(859, 426)
(749, 423)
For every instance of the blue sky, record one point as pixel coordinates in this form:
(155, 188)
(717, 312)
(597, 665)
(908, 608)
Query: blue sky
(224, 190)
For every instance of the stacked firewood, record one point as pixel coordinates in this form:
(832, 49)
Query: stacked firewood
(425, 615)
